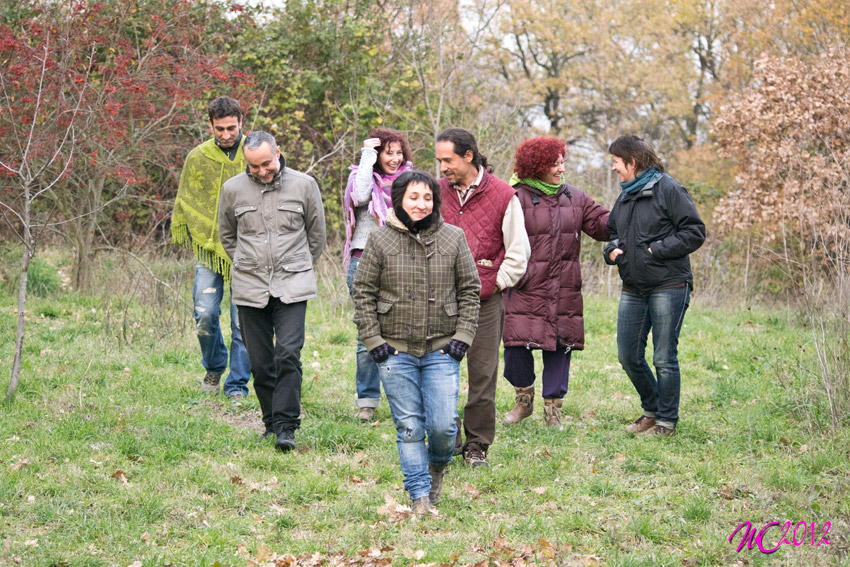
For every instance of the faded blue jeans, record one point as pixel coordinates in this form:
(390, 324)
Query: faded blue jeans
(207, 293)
(662, 311)
(422, 393)
(367, 376)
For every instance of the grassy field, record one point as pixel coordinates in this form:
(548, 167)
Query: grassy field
(110, 455)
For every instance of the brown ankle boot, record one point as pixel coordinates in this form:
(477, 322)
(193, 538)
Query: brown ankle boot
(524, 405)
(552, 411)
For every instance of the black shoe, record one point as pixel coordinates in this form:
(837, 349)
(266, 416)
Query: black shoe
(285, 440)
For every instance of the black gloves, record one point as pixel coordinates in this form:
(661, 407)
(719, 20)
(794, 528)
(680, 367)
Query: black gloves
(381, 353)
(456, 349)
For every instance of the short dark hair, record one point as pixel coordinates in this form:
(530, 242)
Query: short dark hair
(223, 107)
(401, 182)
(633, 149)
(388, 137)
(465, 142)
(536, 156)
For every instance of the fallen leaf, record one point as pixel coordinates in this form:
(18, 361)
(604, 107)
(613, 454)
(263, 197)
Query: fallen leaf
(804, 448)
(356, 480)
(146, 537)
(135, 564)
(540, 490)
(620, 457)
(236, 480)
(591, 560)
(20, 464)
(120, 475)
(470, 490)
(31, 543)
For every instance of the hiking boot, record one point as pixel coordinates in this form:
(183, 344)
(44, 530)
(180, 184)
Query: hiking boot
(524, 405)
(237, 397)
(285, 440)
(660, 431)
(210, 382)
(641, 424)
(458, 438)
(421, 506)
(437, 474)
(552, 412)
(475, 456)
(366, 414)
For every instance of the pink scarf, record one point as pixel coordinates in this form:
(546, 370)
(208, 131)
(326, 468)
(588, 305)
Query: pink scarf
(380, 202)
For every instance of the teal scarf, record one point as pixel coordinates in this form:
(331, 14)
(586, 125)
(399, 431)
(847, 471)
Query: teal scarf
(547, 188)
(645, 178)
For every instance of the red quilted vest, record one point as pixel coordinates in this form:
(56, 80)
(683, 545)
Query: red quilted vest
(481, 217)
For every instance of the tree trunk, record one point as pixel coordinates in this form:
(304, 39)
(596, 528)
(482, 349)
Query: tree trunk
(26, 257)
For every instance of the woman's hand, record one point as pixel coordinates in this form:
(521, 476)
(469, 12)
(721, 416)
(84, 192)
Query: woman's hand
(456, 349)
(381, 353)
(614, 254)
(371, 143)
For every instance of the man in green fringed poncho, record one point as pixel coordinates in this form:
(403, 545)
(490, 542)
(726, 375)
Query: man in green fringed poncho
(194, 224)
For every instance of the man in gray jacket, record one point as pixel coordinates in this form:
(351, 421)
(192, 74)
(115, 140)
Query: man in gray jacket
(272, 226)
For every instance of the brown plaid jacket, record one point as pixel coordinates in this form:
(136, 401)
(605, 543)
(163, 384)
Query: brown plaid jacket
(416, 291)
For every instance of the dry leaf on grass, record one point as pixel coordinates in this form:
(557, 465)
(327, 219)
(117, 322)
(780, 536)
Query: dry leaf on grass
(20, 464)
(120, 475)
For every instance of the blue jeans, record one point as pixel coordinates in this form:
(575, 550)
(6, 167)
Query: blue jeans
(662, 311)
(422, 393)
(207, 293)
(367, 376)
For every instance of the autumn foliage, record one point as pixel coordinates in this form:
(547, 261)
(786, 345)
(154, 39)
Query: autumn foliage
(790, 135)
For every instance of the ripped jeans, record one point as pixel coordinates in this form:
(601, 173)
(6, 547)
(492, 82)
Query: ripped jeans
(207, 293)
(422, 393)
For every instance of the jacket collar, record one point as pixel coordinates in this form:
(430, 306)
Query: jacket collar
(394, 222)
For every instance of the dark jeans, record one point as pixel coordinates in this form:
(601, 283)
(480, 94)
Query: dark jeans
(274, 336)
(367, 376)
(482, 365)
(662, 311)
(519, 369)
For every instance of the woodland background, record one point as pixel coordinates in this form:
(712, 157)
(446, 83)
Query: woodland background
(110, 455)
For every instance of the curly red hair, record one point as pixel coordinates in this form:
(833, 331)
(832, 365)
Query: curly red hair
(387, 137)
(536, 156)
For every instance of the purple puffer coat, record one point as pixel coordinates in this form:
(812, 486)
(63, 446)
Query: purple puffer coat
(544, 310)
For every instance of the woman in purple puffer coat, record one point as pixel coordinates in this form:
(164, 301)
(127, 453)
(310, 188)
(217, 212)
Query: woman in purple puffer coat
(544, 310)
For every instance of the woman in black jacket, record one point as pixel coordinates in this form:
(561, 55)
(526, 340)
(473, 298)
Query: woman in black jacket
(654, 226)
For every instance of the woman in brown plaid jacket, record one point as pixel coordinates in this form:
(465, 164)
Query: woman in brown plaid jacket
(416, 306)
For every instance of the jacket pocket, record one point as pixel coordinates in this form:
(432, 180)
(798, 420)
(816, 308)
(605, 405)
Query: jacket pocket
(446, 320)
(290, 216)
(296, 263)
(248, 220)
(245, 264)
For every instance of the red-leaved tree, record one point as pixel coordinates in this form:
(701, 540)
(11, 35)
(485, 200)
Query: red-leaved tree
(94, 96)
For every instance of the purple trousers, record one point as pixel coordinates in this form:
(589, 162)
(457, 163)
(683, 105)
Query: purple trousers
(519, 369)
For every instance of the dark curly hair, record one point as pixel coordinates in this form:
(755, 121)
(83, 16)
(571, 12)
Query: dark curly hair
(536, 156)
(387, 137)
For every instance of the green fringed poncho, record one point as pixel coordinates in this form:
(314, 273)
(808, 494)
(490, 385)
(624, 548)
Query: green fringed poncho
(194, 222)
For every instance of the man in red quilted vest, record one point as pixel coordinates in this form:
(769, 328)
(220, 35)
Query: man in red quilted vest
(488, 211)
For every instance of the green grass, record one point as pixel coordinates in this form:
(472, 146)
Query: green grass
(111, 455)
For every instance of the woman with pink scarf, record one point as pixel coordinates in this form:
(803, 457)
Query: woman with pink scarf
(385, 156)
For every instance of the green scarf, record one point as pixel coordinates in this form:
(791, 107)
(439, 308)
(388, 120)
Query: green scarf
(194, 222)
(547, 188)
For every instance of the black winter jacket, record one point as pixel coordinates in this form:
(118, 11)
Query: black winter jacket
(661, 217)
